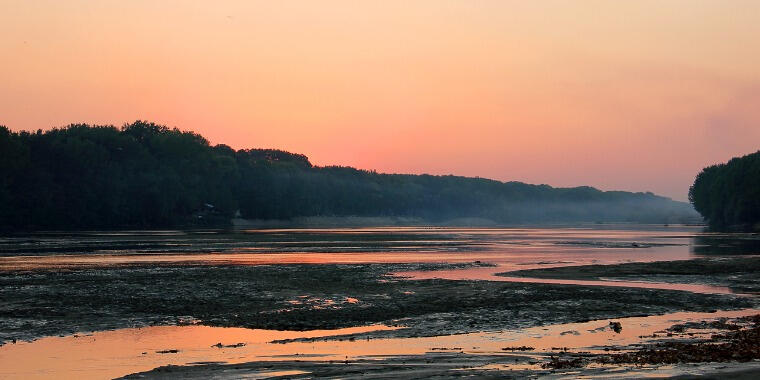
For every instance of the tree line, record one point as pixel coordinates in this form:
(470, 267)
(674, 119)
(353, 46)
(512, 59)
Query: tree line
(728, 195)
(145, 175)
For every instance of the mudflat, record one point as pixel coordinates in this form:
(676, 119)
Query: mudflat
(407, 302)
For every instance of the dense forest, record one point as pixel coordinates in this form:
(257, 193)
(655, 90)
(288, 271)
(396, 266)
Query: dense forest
(144, 175)
(728, 195)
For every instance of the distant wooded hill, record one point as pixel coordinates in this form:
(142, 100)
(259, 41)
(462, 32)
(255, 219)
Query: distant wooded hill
(145, 175)
(728, 195)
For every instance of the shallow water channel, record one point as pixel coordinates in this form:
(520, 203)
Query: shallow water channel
(108, 354)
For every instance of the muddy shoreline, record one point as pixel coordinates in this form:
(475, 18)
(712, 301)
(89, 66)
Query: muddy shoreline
(440, 366)
(711, 348)
(305, 297)
(738, 273)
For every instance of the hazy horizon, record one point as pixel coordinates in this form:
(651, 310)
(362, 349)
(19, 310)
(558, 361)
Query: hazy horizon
(635, 96)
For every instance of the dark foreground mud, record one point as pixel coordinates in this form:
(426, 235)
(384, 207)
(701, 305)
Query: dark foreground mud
(304, 297)
(441, 366)
(712, 349)
(432, 365)
(737, 341)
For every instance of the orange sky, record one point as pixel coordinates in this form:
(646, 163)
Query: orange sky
(636, 95)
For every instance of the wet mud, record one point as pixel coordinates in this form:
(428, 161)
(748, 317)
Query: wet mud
(715, 348)
(739, 273)
(306, 297)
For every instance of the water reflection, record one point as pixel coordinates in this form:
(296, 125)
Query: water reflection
(509, 249)
(390, 239)
(489, 274)
(512, 248)
(109, 354)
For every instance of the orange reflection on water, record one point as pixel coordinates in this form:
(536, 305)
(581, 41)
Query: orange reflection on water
(106, 260)
(108, 354)
(116, 353)
(489, 274)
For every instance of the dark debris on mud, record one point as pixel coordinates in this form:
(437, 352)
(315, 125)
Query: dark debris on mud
(740, 343)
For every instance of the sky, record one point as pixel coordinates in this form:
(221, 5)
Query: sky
(627, 95)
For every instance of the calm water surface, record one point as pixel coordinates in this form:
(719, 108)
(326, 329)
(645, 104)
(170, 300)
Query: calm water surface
(511, 248)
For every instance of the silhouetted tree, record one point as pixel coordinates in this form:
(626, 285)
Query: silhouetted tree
(728, 195)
